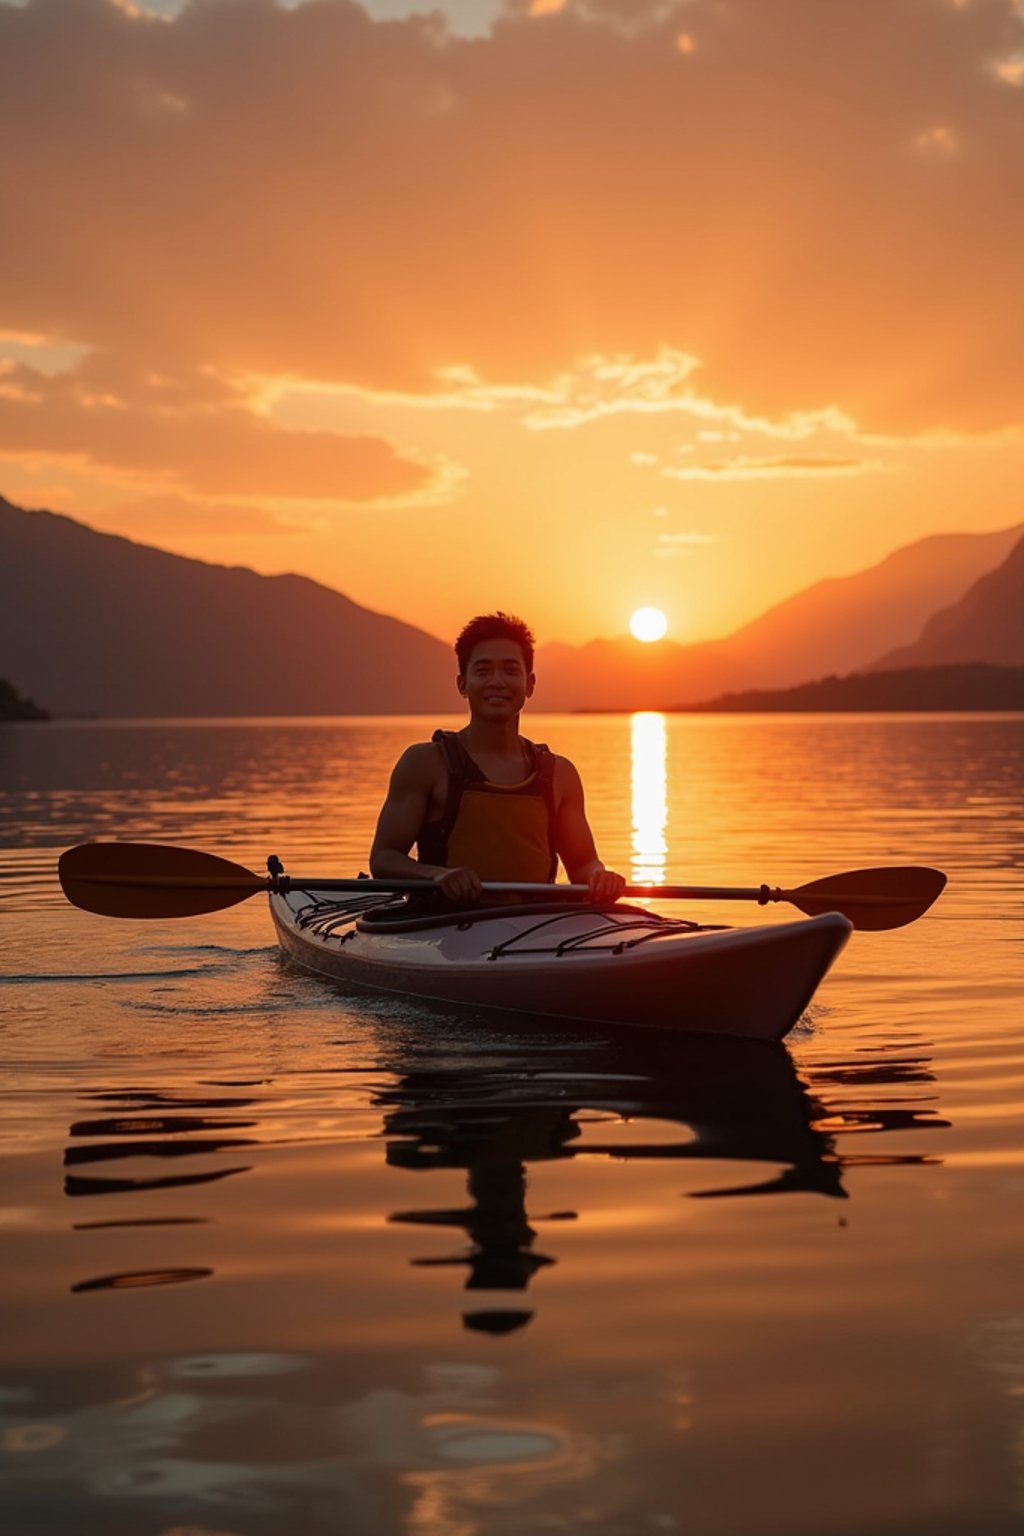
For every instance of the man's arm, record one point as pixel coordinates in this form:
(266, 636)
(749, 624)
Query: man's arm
(575, 841)
(398, 826)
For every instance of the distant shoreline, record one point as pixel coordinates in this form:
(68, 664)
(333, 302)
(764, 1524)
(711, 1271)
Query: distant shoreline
(736, 709)
(14, 706)
(970, 688)
(300, 722)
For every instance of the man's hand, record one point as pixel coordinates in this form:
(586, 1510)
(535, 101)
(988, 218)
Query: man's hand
(604, 886)
(459, 885)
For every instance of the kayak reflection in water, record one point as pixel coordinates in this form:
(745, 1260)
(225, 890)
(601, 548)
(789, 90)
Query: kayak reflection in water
(726, 1101)
(484, 803)
(696, 1100)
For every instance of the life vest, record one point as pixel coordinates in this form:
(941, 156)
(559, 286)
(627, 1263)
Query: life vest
(503, 831)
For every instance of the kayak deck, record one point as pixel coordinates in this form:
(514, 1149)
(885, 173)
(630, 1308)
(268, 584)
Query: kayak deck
(617, 964)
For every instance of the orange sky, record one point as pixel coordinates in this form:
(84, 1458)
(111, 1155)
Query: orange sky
(563, 308)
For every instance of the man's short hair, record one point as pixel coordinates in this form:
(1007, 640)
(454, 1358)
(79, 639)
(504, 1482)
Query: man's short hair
(494, 626)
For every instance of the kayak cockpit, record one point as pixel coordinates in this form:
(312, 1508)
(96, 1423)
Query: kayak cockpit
(550, 928)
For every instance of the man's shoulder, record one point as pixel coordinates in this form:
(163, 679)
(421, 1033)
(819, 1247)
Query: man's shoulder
(421, 760)
(564, 772)
(561, 760)
(421, 752)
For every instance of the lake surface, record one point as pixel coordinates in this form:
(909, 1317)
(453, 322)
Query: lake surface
(280, 1260)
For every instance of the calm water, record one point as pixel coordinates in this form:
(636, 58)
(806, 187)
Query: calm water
(280, 1261)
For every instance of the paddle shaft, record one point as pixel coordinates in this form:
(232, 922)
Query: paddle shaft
(154, 880)
(759, 893)
(282, 884)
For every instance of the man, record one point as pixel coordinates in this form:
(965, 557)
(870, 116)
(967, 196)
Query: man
(484, 803)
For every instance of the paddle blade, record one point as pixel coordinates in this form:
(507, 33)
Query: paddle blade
(152, 880)
(872, 898)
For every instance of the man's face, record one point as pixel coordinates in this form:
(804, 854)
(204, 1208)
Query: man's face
(496, 683)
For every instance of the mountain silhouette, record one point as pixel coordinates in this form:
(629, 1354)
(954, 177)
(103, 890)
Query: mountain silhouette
(835, 626)
(96, 624)
(987, 624)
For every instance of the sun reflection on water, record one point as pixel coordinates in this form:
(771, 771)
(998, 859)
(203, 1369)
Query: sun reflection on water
(650, 798)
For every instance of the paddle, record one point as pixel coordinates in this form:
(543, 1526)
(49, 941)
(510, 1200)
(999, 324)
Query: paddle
(155, 880)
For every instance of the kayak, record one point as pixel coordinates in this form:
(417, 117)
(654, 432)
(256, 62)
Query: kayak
(555, 958)
(565, 959)
(616, 964)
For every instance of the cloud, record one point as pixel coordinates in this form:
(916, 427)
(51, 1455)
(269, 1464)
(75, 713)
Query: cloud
(457, 389)
(194, 430)
(593, 389)
(669, 546)
(688, 539)
(600, 387)
(45, 355)
(939, 140)
(810, 199)
(1011, 70)
(743, 467)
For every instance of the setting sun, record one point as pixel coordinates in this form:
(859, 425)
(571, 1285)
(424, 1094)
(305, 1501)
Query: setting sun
(648, 624)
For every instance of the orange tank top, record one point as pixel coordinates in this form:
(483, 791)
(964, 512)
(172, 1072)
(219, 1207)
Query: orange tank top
(503, 831)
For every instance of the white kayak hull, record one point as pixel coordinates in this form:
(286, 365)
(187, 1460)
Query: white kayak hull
(615, 965)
